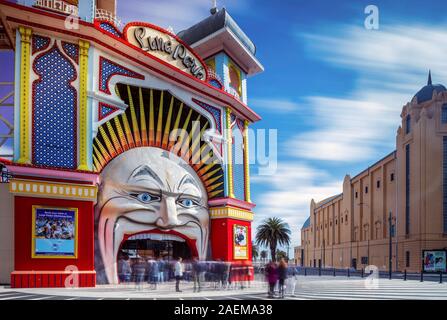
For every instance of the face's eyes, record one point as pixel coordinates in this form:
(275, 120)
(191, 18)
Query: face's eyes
(188, 203)
(146, 197)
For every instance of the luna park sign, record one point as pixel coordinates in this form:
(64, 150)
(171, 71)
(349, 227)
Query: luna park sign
(167, 47)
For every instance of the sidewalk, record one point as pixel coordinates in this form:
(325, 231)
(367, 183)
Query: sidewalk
(127, 291)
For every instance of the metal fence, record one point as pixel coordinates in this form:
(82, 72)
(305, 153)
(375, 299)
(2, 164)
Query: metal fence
(440, 277)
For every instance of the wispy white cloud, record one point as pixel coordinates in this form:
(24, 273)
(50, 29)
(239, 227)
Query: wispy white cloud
(290, 192)
(391, 65)
(346, 129)
(394, 57)
(274, 105)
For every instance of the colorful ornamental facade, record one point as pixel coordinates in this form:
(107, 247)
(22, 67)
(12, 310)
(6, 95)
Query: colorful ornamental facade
(126, 141)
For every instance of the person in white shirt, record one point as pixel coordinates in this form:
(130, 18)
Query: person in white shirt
(178, 273)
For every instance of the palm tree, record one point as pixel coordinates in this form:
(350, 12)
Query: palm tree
(271, 233)
(264, 255)
(254, 251)
(281, 254)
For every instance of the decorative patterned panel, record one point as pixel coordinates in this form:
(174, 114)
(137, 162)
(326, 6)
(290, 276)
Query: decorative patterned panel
(54, 111)
(238, 163)
(40, 43)
(110, 28)
(46, 189)
(105, 110)
(230, 212)
(215, 83)
(215, 112)
(108, 69)
(72, 50)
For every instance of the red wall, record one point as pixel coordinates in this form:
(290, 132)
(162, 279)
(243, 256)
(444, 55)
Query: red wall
(23, 230)
(222, 238)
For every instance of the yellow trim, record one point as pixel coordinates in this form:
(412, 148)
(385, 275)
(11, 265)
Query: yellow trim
(246, 163)
(33, 235)
(231, 64)
(133, 117)
(121, 135)
(229, 153)
(58, 190)
(128, 132)
(231, 212)
(164, 142)
(178, 146)
(196, 154)
(160, 121)
(211, 63)
(186, 143)
(176, 125)
(83, 110)
(25, 35)
(151, 119)
(142, 118)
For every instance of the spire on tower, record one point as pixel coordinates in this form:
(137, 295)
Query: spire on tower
(214, 9)
(429, 83)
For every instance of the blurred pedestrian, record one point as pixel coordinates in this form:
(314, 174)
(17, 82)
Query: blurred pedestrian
(140, 273)
(292, 278)
(152, 273)
(282, 275)
(272, 277)
(124, 269)
(161, 270)
(196, 270)
(178, 273)
(226, 275)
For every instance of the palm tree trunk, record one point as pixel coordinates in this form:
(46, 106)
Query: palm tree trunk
(273, 252)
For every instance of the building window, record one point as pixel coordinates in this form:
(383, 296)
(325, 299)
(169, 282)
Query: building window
(407, 189)
(444, 184)
(356, 194)
(378, 184)
(408, 124)
(346, 218)
(407, 259)
(341, 219)
(392, 177)
(444, 114)
(336, 222)
(366, 189)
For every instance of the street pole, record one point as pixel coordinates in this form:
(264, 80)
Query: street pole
(390, 260)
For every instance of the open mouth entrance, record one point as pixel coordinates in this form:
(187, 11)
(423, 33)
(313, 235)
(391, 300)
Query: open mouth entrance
(152, 245)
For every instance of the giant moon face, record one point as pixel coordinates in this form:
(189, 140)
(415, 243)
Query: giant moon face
(147, 190)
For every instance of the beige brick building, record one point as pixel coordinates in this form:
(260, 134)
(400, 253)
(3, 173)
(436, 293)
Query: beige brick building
(406, 189)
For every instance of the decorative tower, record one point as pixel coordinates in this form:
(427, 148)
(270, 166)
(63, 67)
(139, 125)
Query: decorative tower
(230, 58)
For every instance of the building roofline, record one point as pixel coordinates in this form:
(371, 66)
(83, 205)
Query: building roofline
(374, 164)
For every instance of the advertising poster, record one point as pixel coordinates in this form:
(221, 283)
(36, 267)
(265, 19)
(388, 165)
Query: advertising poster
(54, 232)
(434, 261)
(240, 242)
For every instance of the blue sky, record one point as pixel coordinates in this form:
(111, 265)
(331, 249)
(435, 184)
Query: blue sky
(333, 89)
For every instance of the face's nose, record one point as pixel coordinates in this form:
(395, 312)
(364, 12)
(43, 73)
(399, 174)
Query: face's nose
(168, 214)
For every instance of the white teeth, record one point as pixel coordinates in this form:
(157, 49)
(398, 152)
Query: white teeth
(156, 236)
